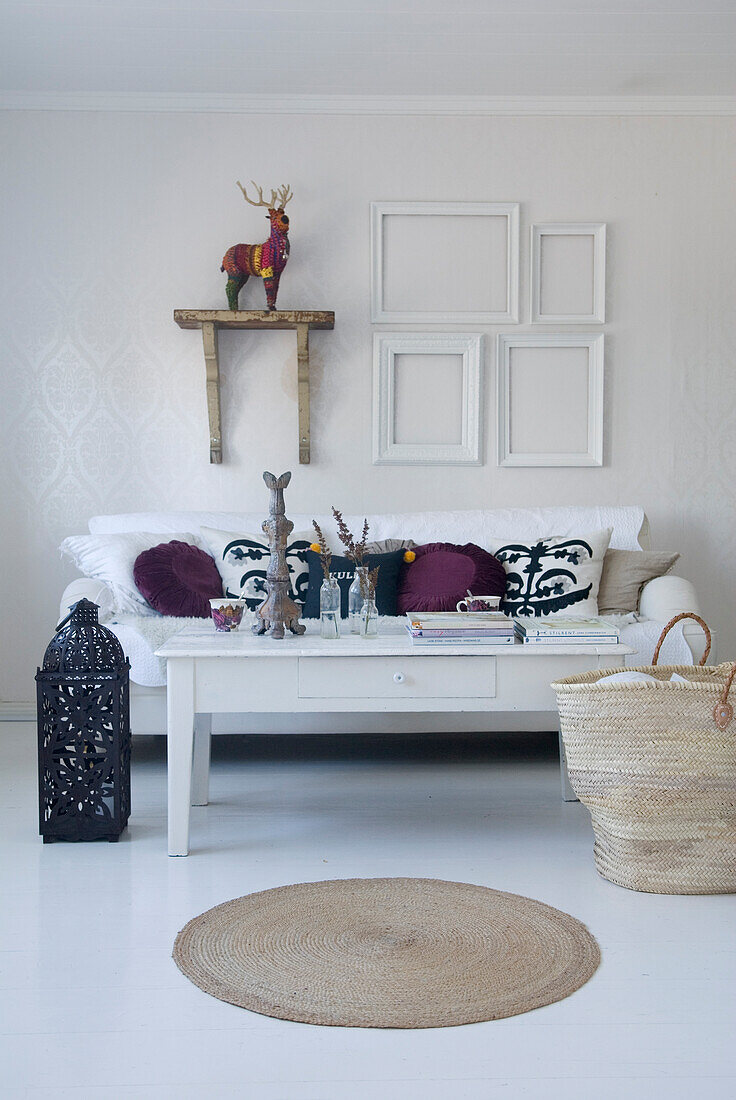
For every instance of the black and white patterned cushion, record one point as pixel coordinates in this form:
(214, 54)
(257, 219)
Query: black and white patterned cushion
(242, 561)
(560, 575)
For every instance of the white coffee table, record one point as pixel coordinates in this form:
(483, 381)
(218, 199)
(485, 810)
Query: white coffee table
(211, 673)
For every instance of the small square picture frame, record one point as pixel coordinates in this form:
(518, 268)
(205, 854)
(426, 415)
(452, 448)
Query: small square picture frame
(595, 230)
(386, 347)
(592, 454)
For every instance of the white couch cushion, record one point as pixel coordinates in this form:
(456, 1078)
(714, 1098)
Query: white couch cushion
(480, 526)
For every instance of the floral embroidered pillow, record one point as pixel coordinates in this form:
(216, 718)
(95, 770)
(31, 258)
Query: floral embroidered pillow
(559, 575)
(242, 561)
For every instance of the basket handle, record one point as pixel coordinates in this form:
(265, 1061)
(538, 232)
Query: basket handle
(677, 619)
(723, 710)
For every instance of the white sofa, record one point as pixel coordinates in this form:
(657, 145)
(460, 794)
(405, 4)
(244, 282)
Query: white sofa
(661, 599)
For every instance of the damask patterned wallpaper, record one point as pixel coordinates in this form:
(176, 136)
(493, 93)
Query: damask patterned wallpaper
(110, 221)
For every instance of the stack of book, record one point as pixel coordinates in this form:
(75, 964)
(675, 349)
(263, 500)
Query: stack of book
(556, 631)
(460, 628)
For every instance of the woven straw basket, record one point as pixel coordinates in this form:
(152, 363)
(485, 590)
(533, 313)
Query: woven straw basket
(656, 766)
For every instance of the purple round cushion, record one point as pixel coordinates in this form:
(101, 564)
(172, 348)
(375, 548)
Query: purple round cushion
(178, 579)
(442, 574)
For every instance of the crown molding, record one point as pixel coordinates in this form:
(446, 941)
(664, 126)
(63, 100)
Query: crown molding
(197, 102)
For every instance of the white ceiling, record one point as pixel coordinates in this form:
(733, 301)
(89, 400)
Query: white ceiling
(370, 47)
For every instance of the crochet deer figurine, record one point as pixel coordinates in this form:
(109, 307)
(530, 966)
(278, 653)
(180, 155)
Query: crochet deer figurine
(266, 260)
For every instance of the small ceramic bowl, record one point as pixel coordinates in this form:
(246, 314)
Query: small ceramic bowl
(227, 614)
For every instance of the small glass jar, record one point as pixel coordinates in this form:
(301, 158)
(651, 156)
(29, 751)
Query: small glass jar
(329, 608)
(355, 597)
(369, 619)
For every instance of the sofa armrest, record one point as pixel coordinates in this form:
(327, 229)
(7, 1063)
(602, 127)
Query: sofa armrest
(665, 597)
(89, 589)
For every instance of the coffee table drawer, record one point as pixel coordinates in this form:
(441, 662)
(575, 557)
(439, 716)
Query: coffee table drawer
(397, 677)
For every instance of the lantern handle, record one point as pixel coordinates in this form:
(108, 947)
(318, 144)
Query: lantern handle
(65, 621)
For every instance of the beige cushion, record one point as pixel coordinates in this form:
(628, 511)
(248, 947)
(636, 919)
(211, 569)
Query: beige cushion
(625, 572)
(389, 546)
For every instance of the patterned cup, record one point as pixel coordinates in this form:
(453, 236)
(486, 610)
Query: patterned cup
(227, 614)
(479, 603)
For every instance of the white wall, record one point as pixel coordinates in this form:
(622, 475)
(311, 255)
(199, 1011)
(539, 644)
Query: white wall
(110, 221)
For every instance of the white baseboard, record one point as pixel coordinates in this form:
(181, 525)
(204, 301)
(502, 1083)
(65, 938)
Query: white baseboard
(275, 104)
(17, 712)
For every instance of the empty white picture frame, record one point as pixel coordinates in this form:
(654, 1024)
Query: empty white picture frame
(427, 398)
(550, 399)
(568, 273)
(444, 262)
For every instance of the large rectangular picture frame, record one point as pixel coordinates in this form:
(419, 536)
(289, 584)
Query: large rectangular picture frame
(596, 230)
(593, 341)
(386, 346)
(509, 210)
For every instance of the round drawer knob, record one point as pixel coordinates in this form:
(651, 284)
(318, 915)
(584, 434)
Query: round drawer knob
(399, 677)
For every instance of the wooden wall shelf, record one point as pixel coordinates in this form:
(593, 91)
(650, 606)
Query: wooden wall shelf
(210, 320)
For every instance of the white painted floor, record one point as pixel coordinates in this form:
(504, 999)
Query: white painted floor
(93, 1006)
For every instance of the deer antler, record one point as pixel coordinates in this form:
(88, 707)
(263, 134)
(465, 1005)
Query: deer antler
(269, 204)
(284, 194)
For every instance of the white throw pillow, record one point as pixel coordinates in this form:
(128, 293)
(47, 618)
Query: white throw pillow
(110, 558)
(552, 576)
(242, 560)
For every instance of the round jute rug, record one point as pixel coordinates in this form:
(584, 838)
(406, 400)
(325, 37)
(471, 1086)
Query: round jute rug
(386, 952)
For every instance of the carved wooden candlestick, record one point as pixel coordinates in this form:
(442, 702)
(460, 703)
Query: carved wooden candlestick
(278, 611)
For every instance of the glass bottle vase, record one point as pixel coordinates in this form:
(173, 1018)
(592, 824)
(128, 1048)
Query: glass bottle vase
(355, 597)
(369, 619)
(329, 608)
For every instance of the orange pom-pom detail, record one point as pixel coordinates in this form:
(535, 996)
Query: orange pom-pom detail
(316, 547)
(409, 556)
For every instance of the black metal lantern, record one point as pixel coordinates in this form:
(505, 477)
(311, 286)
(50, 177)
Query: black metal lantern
(83, 731)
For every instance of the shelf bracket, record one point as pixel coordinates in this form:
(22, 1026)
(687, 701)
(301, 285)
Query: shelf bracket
(211, 320)
(212, 373)
(302, 367)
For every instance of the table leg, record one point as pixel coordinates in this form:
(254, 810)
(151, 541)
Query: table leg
(201, 761)
(568, 794)
(180, 744)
